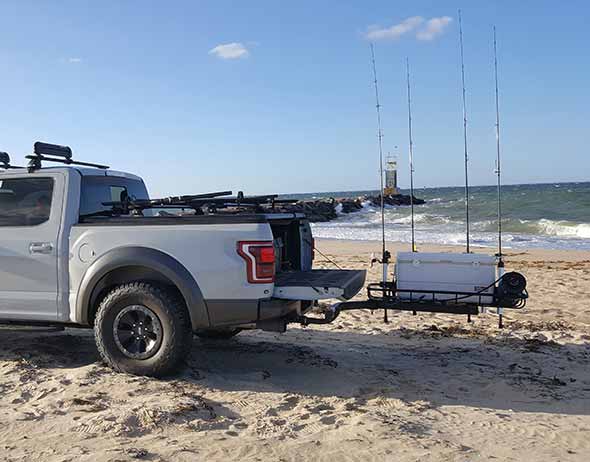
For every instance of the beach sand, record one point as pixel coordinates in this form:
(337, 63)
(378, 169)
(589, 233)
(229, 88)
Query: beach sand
(426, 387)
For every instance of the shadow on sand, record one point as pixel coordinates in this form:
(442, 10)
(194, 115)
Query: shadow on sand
(482, 372)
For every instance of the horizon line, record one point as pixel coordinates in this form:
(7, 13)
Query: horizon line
(440, 187)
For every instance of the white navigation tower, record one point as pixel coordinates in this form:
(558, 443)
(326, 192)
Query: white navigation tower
(391, 176)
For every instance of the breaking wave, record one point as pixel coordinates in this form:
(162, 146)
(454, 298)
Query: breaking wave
(564, 228)
(541, 216)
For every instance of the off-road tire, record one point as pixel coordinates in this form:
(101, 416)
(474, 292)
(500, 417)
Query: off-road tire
(217, 334)
(176, 330)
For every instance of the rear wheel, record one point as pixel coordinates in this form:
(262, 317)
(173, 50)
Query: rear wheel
(143, 329)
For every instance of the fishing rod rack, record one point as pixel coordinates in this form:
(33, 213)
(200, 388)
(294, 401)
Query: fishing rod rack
(201, 204)
(509, 291)
(46, 152)
(5, 162)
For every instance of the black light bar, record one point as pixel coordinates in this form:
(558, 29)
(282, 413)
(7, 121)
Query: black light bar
(54, 150)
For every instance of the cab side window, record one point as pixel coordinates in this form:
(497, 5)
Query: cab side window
(25, 201)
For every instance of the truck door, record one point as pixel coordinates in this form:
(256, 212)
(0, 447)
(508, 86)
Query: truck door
(30, 218)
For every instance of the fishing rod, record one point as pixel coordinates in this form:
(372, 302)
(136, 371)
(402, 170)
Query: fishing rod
(498, 168)
(499, 174)
(385, 255)
(411, 153)
(464, 134)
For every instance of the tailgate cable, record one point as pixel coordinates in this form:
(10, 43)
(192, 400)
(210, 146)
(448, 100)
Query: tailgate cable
(314, 248)
(322, 254)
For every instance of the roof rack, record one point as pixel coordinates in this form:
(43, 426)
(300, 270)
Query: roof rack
(5, 161)
(47, 152)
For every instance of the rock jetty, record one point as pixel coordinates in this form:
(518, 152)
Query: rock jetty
(323, 210)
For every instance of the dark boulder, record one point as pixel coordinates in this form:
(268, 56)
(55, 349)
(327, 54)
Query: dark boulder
(323, 210)
(395, 200)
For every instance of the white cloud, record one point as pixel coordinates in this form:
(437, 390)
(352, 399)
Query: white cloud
(233, 50)
(74, 60)
(426, 30)
(433, 28)
(394, 32)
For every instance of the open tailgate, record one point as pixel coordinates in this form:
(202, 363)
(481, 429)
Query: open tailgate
(319, 284)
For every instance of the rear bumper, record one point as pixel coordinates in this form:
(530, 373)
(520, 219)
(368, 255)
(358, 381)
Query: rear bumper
(294, 292)
(275, 308)
(224, 313)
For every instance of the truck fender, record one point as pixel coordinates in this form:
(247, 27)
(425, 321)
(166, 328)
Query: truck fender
(153, 260)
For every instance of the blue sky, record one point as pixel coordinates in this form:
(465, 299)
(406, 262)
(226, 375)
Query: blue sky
(277, 97)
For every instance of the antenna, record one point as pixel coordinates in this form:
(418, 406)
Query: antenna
(385, 254)
(498, 169)
(464, 134)
(411, 152)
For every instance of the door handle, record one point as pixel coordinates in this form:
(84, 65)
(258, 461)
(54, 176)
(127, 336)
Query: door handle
(41, 247)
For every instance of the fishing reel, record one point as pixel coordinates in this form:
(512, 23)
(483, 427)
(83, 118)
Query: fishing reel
(384, 260)
(511, 290)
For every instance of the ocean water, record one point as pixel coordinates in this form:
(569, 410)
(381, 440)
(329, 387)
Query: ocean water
(554, 216)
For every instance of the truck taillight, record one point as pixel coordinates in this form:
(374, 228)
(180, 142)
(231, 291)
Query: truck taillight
(312, 248)
(260, 260)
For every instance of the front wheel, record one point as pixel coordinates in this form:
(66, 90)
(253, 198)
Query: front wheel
(143, 329)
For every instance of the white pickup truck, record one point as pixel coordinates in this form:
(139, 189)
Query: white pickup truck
(146, 282)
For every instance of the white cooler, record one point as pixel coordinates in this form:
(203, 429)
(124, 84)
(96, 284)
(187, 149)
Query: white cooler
(449, 272)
